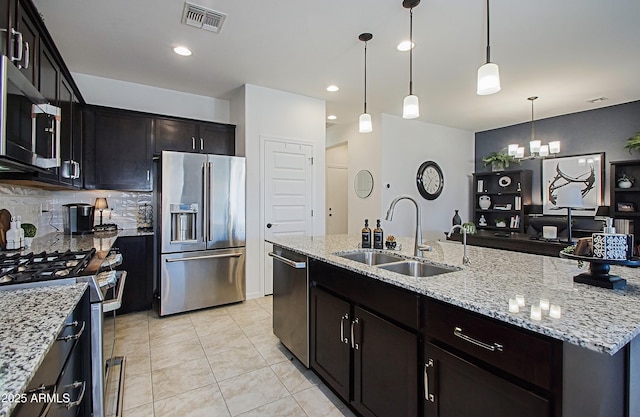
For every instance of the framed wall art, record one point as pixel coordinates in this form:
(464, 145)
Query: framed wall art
(562, 175)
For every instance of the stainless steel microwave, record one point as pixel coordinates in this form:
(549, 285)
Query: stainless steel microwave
(29, 125)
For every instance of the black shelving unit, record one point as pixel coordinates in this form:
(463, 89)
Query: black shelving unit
(629, 198)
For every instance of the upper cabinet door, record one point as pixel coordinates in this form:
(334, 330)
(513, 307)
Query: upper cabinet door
(176, 135)
(217, 138)
(29, 62)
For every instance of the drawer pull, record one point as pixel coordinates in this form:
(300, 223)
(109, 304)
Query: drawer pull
(427, 395)
(342, 338)
(77, 402)
(354, 345)
(73, 336)
(492, 347)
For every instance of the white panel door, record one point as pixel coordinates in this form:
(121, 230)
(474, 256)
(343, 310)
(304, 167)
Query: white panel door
(336, 199)
(288, 197)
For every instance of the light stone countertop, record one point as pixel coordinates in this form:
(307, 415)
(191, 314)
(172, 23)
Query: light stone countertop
(31, 321)
(598, 319)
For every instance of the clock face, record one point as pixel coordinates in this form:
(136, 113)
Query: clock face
(430, 180)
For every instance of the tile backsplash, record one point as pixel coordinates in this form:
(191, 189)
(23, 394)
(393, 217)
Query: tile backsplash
(44, 208)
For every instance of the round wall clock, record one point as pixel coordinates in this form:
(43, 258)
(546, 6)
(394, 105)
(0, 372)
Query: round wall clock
(430, 180)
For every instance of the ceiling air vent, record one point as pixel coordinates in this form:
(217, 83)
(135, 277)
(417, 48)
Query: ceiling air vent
(203, 18)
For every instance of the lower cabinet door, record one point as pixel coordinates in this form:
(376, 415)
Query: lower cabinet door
(385, 367)
(330, 340)
(454, 387)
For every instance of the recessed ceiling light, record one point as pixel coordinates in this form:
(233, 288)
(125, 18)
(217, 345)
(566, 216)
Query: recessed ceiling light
(332, 88)
(404, 46)
(182, 50)
(332, 117)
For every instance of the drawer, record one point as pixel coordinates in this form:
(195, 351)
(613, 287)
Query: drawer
(519, 352)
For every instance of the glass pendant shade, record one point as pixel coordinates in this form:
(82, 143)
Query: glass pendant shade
(365, 125)
(534, 146)
(513, 149)
(544, 150)
(410, 107)
(554, 147)
(488, 79)
(520, 152)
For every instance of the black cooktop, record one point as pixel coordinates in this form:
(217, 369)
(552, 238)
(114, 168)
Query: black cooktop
(31, 267)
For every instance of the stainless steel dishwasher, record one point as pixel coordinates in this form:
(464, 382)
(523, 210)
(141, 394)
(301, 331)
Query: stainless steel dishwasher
(291, 301)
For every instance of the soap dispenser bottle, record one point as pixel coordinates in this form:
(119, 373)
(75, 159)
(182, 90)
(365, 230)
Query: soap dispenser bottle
(13, 235)
(366, 235)
(378, 236)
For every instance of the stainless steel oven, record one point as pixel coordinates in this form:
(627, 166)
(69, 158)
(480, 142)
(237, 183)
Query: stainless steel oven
(29, 125)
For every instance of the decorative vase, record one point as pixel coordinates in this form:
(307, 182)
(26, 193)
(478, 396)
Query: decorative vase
(501, 223)
(497, 166)
(484, 201)
(624, 184)
(456, 219)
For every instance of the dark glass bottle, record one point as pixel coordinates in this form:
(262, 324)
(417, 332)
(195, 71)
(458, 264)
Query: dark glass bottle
(456, 219)
(378, 236)
(366, 234)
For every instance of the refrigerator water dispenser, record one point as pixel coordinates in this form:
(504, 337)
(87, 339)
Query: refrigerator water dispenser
(184, 220)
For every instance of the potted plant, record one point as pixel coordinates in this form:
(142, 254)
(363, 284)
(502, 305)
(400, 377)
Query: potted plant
(499, 160)
(625, 181)
(29, 233)
(500, 222)
(633, 143)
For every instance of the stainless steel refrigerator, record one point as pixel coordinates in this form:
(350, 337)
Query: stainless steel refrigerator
(202, 231)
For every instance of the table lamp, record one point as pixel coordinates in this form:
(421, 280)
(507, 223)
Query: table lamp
(101, 204)
(570, 198)
(605, 214)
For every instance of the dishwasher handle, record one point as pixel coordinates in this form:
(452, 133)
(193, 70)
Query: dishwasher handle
(290, 262)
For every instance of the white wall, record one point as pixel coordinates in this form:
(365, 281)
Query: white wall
(406, 144)
(131, 96)
(265, 112)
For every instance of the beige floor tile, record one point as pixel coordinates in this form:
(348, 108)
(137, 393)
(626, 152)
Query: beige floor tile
(295, 376)
(286, 407)
(206, 325)
(250, 317)
(252, 390)
(134, 334)
(175, 353)
(174, 321)
(258, 327)
(137, 391)
(224, 340)
(273, 351)
(202, 402)
(126, 348)
(175, 380)
(135, 365)
(235, 361)
(141, 411)
(168, 335)
(266, 303)
(317, 403)
(131, 319)
(243, 306)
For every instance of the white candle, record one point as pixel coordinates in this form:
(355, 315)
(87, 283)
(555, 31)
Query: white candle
(544, 304)
(536, 313)
(555, 311)
(520, 299)
(513, 305)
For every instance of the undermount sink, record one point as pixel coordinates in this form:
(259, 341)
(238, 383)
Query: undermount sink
(417, 269)
(372, 258)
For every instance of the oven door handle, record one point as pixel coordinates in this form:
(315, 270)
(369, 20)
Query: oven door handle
(116, 302)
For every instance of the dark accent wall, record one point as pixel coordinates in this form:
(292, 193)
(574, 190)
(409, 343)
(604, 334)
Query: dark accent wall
(593, 131)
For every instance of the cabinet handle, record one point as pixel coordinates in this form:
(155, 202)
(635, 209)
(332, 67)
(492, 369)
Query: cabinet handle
(25, 56)
(427, 395)
(354, 345)
(193, 143)
(148, 175)
(342, 338)
(76, 166)
(18, 41)
(290, 262)
(73, 336)
(457, 331)
(201, 144)
(77, 402)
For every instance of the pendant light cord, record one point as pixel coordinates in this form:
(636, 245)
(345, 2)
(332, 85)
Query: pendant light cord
(488, 42)
(533, 123)
(411, 51)
(365, 76)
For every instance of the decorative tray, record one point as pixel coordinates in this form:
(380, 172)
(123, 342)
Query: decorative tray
(633, 262)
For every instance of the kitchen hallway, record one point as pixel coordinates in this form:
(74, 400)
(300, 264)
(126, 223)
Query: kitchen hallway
(222, 361)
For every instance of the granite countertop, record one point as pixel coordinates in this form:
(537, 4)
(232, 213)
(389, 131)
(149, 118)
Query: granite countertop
(595, 318)
(25, 342)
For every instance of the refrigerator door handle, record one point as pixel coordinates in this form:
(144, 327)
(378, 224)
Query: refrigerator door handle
(209, 203)
(226, 255)
(205, 205)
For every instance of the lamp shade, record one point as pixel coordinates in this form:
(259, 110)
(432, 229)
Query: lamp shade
(410, 107)
(602, 211)
(101, 203)
(488, 79)
(569, 197)
(365, 125)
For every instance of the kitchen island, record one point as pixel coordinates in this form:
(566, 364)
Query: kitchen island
(596, 329)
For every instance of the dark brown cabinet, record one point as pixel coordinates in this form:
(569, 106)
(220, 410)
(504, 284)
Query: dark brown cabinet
(499, 199)
(370, 360)
(120, 142)
(137, 260)
(190, 136)
(26, 53)
(625, 198)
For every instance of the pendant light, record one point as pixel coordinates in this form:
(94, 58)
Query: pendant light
(488, 74)
(536, 148)
(410, 105)
(365, 125)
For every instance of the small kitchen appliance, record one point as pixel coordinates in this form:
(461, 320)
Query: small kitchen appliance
(78, 218)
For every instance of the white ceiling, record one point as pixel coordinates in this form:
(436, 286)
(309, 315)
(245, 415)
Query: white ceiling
(566, 52)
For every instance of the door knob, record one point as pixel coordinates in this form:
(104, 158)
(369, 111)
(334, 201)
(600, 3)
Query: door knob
(269, 225)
